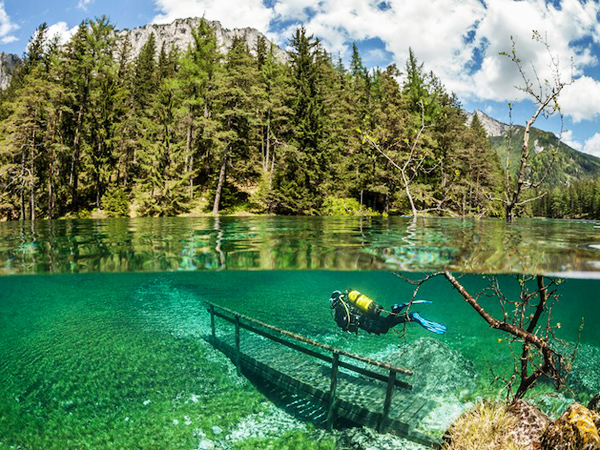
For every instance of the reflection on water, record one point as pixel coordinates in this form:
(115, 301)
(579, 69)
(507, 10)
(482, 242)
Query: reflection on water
(269, 243)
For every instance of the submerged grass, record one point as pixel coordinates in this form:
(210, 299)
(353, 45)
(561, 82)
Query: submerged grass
(154, 391)
(487, 426)
(291, 440)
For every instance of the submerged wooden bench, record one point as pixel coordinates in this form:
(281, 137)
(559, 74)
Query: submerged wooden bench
(364, 391)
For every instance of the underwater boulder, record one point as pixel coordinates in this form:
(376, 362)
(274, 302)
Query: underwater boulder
(438, 369)
(576, 429)
(492, 425)
(531, 423)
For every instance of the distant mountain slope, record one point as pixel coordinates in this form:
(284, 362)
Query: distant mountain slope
(570, 164)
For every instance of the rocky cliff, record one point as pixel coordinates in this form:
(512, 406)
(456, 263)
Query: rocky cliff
(8, 62)
(492, 126)
(179, 33)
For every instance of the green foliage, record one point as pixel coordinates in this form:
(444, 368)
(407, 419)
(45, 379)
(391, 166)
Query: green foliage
(82, 123)
(115, 202)
(291, 440)
(579, 200)
(333, 206)
(232, 199)
(340, 206)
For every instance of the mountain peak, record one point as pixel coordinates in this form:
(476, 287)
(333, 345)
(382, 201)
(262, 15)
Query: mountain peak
(492, 126)
(179, 33)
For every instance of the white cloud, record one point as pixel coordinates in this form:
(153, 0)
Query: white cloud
(8, 39)
(592, 145)
(62, 30)
(580, 100)
(568, 138)
(459, 40)
(83, 4)
(7, 26)
(231, 13)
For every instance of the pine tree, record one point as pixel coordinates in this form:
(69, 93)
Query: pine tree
(274, 102)
(79, 60)
(104, 107)
(304, 162)
(199, 68)
(235, 106)
(23, 135)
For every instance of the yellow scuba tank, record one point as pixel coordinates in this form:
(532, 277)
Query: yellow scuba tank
(363, 302)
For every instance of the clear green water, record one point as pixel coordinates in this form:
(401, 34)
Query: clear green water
(101, 344)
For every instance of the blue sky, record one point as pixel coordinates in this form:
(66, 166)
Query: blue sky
(459, 40)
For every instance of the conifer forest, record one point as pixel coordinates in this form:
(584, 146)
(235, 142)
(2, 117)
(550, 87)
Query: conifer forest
(88, 126)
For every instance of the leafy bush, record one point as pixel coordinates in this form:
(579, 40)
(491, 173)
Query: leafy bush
(333, 206)
(115, 202)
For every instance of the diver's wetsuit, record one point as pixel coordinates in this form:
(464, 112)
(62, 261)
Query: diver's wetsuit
(350, 318)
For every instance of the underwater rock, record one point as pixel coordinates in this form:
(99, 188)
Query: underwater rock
(438, 368)
(531, 423)
(576, 429)
(270, 424)
(492, 425)
(594, 404)
(206, 444)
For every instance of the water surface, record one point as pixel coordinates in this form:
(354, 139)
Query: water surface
(297, 243)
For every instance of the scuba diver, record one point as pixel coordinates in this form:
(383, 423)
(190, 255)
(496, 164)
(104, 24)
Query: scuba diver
(354, 310)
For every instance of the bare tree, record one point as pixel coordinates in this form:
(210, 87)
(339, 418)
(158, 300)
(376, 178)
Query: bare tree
(412, 166)
(528, 320)
(545, 96)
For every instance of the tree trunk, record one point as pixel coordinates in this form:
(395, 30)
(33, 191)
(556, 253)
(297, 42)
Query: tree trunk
(272, 170)
(51, 168)
(406, 181)
(268, 144)
(22, 196)
(514, 198)
(76, 156)
(188, 155)
(221, 182)
(32, 175)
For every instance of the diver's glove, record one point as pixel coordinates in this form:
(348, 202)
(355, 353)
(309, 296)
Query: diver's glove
(434, 327)
(400, 306)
